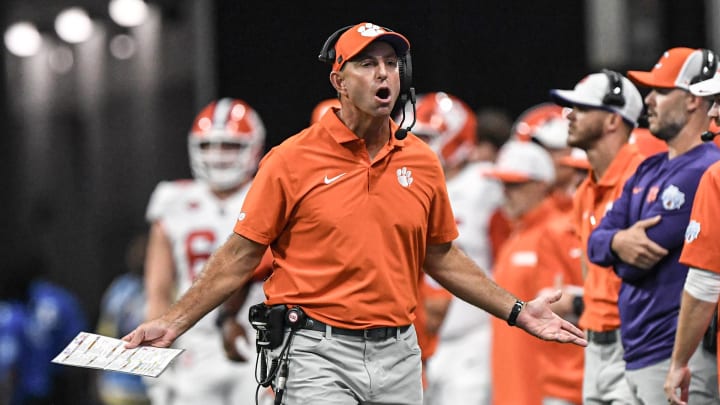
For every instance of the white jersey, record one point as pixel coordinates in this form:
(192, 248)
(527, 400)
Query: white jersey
(474, 198)
(196, 223)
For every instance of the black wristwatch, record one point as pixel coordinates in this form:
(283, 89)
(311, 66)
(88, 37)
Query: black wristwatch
(578, 305)
(514, 312)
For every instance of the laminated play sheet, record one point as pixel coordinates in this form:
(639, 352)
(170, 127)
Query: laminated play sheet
(106, 353)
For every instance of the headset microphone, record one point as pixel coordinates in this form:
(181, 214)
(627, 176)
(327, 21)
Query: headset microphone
(708, 136)
(401, 132)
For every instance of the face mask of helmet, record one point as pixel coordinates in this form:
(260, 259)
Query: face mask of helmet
(225, 144)
(223, 164)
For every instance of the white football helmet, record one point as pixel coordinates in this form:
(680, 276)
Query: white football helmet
(225, 143)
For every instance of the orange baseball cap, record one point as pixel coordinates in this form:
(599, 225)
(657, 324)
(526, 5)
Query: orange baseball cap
(676, 68)
(355, 39)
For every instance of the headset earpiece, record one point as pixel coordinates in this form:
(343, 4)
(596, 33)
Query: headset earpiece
(614, 95)
(709, 66)
(405, 70)
(327, 52)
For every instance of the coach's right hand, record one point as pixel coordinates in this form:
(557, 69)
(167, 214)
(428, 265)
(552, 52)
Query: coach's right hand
(158, 333)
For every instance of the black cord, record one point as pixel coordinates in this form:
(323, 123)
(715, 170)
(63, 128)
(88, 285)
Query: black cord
(266, 378)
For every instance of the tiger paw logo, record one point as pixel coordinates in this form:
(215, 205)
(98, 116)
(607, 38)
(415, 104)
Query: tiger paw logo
(692, 231)
(672, 198)
(404, 177)
(370, 30)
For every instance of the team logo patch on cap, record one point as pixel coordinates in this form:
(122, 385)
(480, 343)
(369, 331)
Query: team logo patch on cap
(692, 231)
(370, 30)
(672, 198)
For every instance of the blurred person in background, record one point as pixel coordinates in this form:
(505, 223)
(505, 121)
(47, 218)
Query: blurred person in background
(605, 108)
(189, 220)
(698, 308)
(122, 309)
(559, 257)
(39, 318)
(641, 236)
(459, 370)
(559, 268)
(537, 124)
(548, 263)
(12, 317)
(527, 173)
(493, 130)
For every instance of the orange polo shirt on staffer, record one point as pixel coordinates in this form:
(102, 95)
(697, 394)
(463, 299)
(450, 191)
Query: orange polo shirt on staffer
(561, 365)
(348, 234)
(592, 200)
(703, 232)
(515, 366)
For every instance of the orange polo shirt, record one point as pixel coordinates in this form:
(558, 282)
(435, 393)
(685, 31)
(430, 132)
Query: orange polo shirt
(561, 366)
(701, 237)
(515, 363)
(592, 201)
(348, 234)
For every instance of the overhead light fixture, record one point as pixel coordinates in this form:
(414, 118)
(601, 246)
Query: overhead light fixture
(73, 25)
(128, 13)
(22, 39)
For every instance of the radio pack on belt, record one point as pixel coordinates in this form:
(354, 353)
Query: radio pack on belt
(270, 323)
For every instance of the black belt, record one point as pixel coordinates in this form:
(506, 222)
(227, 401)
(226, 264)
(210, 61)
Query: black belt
(603, 338)
(367, 334)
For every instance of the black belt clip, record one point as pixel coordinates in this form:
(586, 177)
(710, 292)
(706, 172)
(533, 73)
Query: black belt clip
(603, 338)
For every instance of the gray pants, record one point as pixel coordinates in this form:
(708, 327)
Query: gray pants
(341, 370)
(604, 380)
(647, 383)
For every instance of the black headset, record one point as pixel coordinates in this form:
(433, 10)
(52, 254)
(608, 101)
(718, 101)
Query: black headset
(407, 91)
(614, 95)
(327, 55)
(709, 66)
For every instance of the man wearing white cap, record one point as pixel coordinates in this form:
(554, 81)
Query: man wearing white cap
(700, 253)
(527, 172)
(353, 209)
(641, 236)
(605, 108)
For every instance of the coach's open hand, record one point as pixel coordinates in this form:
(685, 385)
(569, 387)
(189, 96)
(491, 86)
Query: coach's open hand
(539, 320)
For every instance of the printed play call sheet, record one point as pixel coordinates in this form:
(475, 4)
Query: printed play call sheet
(96, 351)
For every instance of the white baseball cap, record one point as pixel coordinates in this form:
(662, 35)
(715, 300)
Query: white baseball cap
(709, 87)
(521, 161)
(677, 68)
(593, 90)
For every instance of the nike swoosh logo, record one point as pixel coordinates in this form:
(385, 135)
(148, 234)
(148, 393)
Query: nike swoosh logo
(330, 180)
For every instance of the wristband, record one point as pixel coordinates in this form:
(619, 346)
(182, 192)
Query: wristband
(517, 307)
